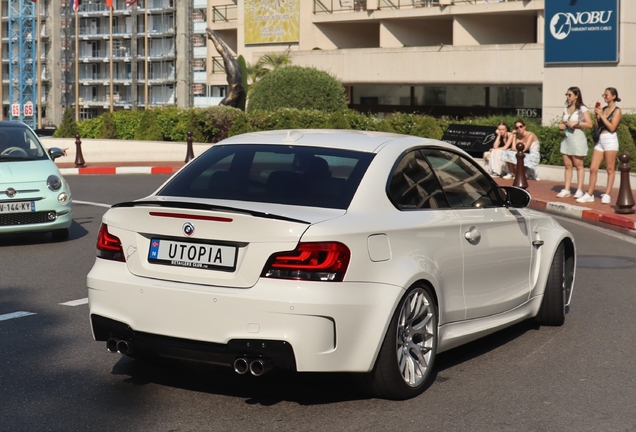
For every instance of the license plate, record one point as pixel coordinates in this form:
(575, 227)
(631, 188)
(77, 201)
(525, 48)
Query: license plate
(195, 255)
(17, 207)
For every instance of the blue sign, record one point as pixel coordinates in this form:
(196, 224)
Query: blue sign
(581, 31)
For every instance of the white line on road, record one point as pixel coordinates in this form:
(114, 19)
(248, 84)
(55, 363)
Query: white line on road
(15, 315)
(75, 302)
(92, 203)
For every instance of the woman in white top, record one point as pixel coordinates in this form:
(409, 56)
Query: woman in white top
(607, 119)
(503, 141)
(576, 117)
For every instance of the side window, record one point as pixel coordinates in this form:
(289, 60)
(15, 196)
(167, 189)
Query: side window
(414, 186)
(464, 184)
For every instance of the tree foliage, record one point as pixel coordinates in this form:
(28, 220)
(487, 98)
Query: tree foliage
(68, 128)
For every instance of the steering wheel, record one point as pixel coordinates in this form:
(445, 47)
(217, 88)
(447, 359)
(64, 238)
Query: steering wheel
(14, 150)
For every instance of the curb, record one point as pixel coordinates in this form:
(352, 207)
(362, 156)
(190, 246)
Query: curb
(119, 170)
(595, 217)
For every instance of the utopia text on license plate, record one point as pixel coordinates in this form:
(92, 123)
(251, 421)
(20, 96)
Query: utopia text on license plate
(17, 207)
(195, 255)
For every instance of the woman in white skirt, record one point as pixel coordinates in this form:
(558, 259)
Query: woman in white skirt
(531, 149)
(607, 120)
(503, 141)
(576, 118)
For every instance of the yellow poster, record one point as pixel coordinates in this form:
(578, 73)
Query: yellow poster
(272, 21)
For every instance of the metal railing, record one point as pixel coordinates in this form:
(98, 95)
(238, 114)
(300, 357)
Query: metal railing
(331, 6)
(224, 13)
(217, 65)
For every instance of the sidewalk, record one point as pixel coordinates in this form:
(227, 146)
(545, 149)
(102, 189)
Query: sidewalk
(147, 157)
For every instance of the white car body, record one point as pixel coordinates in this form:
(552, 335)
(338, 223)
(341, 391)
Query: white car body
(328, 325)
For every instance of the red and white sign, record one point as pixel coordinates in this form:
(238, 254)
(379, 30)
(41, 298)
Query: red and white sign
(15, 110)
(28, 109)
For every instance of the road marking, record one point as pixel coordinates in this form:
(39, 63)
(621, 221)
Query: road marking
(75, 302)
(92, 203)
(15, 315)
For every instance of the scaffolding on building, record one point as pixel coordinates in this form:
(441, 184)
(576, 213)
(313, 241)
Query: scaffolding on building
(22, 61)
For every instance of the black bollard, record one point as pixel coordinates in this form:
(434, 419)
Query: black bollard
(190, 151)
(79, 157)
(625, 200)
(520, 174)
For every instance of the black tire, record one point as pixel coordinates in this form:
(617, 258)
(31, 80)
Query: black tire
(60, 234)
(552, 312)
(407, 354)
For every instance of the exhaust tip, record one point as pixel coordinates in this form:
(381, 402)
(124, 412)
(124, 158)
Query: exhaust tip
(111, 345)
(259, 367)
(241, 365)
(124, 347)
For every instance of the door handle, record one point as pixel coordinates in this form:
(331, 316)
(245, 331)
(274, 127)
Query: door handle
(473, 235)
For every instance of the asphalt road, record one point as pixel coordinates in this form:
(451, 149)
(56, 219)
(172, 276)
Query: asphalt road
(53, 376)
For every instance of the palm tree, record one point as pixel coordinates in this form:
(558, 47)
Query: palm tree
(254, 72)
(274, 61)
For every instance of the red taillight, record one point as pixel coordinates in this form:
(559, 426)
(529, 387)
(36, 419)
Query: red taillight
(109, 246)
(310, 261)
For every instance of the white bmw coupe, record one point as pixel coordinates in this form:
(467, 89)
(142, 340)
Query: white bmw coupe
(325, 251)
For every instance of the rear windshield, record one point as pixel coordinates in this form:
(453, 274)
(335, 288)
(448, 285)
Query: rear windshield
(280, 174)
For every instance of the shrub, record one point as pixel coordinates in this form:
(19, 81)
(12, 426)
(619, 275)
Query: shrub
(297, 87)
(126, 123)
(241, 124)
(414, 124)
(68, 128)
(107, 128)
(216, 122)
(89, 128)
(148, 129)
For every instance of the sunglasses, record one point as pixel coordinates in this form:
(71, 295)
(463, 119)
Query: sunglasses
(569, 94)
(519, 127)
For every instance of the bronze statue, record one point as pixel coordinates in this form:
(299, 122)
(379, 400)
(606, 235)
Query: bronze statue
(232, 71)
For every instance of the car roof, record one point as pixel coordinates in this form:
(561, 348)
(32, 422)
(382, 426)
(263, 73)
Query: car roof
(364, 141)
(12, 124)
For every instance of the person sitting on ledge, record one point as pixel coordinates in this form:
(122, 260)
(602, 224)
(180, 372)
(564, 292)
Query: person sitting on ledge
(531, 148)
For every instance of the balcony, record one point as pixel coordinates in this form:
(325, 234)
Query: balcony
(200, 77)
(224, 13)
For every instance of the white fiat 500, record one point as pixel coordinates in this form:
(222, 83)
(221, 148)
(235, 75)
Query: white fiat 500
(325, 251)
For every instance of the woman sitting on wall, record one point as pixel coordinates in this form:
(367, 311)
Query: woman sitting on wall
(503, 141)
(531, 148)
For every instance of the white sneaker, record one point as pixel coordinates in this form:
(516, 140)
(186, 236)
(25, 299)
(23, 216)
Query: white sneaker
(563, 194)
(579, 194)
(606, 199)
(508, 177)
(586, 198)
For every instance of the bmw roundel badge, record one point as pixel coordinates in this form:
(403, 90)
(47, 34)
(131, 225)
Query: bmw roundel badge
(188, 229)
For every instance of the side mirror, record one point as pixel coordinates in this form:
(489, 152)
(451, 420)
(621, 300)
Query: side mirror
(56, 152)
(516, 197)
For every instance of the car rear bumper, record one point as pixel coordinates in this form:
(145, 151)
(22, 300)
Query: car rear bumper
(327, 326)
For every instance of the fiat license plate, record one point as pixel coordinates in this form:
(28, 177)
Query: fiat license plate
(17, 207)
(195, 255)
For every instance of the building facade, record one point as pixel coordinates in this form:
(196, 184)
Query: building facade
(95, 58)
(440, 57)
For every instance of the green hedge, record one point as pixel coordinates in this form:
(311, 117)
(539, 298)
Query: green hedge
(216, 123)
